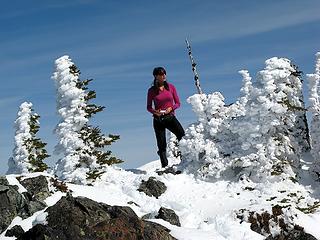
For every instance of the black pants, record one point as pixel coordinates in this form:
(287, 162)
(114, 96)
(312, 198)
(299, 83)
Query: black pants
(160, 124)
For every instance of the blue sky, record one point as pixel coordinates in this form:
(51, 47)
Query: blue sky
(118, 43)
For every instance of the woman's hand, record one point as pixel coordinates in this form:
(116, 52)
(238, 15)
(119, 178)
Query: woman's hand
(168, 110)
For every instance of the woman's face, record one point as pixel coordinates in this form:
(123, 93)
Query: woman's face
(161, 78)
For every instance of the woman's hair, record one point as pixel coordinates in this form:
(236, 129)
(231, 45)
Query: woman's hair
(159, 71)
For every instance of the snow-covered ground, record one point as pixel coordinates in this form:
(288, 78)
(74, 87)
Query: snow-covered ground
(207, 210)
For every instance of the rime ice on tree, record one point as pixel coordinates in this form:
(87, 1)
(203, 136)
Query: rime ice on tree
(261, 134)
(199, 149)
(29, 151)
(81, 145)
(273, 133)
(314, 99)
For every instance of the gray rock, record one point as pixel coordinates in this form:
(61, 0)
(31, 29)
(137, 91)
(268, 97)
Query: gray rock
(152, 187)
(4, 181)
(38, 191)
(12, 204)
(35, 206)
(82, 218)
(154, 231)
(37, 187)
(169, 215)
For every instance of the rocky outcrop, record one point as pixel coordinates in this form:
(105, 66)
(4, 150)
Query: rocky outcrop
(12, 204)
(169, 215)
(152, 187)
(24, 204)
(37, 187)
(82, 218)
(293, 235)
(37, 192)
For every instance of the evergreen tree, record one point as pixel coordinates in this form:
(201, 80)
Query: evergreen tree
(83, 147)
(29, 151)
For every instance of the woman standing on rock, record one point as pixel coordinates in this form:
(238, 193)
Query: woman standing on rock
(165, 99)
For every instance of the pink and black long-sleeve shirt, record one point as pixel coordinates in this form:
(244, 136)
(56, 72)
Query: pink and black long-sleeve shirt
(163, 100)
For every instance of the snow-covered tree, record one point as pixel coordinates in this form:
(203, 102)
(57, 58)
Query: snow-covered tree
(199, 147)
(268, 130)
(82, 146)
(261, 134)
(314, 100)
(29, 151)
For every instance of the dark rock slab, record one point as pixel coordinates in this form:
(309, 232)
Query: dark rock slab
(82, 218)
(12, 204)
(37, 187)
(169, 215)
(16, 231)
(4, 181)
(42, 232)
(152, 187)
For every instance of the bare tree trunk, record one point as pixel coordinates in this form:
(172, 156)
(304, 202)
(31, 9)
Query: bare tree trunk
(194, 68)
